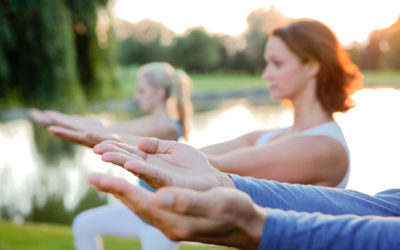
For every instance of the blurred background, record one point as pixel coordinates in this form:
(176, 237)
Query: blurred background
(81, 57)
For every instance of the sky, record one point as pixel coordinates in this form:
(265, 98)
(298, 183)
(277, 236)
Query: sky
(351, 20)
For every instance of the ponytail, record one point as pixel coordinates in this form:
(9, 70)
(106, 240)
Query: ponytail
(177, 86)
(184, 108)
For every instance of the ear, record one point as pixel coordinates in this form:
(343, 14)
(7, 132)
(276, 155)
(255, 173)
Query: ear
(162, 93)
(312, 68)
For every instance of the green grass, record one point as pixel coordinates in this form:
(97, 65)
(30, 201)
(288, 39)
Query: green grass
(382, 78)
(217, 81)
(201, 82)
(35, 236)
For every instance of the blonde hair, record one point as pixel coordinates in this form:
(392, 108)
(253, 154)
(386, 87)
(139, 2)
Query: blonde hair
(177, 85)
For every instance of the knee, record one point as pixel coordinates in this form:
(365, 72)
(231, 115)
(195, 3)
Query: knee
(81, 224)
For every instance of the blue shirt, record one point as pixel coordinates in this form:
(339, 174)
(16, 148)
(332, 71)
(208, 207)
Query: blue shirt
(311, 217)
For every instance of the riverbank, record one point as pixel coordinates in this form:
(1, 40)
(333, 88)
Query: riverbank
(208, 91)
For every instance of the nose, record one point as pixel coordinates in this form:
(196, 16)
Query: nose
(267, 74)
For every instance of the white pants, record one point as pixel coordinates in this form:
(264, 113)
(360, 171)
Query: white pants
(116, 220)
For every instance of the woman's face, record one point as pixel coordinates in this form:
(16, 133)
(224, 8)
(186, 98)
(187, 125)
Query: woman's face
(147, 96)
(287, 75)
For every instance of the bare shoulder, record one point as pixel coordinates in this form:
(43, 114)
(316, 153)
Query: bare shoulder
(316, 145)
(252, 137)
(326, 155)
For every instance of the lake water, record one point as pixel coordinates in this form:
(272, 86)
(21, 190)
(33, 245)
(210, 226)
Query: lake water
(372, 130)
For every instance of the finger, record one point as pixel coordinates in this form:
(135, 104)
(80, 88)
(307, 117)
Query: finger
(71, 135)
(152, 175)
(98, 137)
(128, 147)
(118, 146)
(118, 158)
(39, 117)
(106, 146)
(155, 146)
(140, 201)
(61, 119)
(120, 188)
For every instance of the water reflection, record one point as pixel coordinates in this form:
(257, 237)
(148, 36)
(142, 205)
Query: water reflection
(371, 129)
(28, 180)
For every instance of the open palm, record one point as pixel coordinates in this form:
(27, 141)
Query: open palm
(164, 163)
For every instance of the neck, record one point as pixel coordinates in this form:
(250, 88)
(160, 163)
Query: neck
(308, 111)
(160, 111)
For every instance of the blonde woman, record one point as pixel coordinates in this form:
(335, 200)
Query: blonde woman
(163, 92)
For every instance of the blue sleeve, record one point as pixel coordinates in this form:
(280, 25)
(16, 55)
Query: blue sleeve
(308, 198)
(146, 186)
(299, 230)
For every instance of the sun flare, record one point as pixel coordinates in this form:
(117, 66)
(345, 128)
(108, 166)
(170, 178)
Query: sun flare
(350, 20)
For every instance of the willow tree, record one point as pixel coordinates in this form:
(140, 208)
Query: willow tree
(51, 54)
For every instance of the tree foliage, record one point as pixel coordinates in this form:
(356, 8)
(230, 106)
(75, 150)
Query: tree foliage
(197, 51)
(50, 52)
(200, 51)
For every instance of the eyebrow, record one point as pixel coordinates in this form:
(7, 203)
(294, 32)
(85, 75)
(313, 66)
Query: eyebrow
(272, 57)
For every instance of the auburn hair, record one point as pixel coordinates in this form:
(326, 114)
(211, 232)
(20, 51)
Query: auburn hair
(338, 76)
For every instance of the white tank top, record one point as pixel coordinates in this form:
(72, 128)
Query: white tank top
(330, 129)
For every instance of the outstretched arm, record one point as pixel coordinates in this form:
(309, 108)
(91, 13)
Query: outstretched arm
(294, 230)
(74, 122)
(308, 198)
(183, 214)
(164, 163)
(88, 131)
(243, 141)
(90, 138)
(228, 217)
(318, 160)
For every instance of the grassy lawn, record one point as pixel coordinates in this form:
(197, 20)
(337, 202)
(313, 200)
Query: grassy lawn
(34, 236)
(382, 78)
(201, 82)
(218, 81)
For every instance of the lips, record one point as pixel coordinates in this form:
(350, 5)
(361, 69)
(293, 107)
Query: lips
(273, 86)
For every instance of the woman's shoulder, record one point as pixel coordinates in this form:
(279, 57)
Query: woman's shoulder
(330, 129)
(266, 135)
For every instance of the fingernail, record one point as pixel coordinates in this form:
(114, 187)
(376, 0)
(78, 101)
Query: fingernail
(166, 200)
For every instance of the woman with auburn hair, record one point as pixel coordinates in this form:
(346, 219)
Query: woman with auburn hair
(163, 92)
(307, 67)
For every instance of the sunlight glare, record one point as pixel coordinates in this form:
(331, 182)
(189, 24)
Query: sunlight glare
(373, 135)
(350, 20)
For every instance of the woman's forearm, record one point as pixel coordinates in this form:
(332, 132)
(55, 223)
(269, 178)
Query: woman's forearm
(308, 198)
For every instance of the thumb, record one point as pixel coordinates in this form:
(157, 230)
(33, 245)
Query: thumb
(184, 201)
(155, 146)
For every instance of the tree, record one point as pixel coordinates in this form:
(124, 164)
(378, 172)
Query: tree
(260, 22)
(371, 55)
(390, 46)
(49, 53)
(143, 42)
(197, 51)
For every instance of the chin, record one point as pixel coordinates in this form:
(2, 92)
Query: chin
(275, 96)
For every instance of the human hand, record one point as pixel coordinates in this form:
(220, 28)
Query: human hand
(164, 163)
(222, 216)
(40, 117)
(85, 138)
(73, 122)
